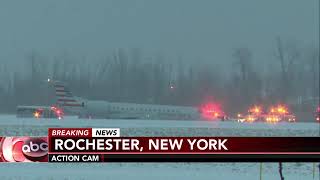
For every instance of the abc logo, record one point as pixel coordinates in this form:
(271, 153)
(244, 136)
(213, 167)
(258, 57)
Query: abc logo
(35, 149)
(23, 149)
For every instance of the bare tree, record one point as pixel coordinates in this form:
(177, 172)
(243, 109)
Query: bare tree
(243, 60)
(287, 54)
(314, 61)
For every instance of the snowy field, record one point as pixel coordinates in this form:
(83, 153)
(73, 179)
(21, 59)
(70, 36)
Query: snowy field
(156, 171)
(73, 121)
(11, 126)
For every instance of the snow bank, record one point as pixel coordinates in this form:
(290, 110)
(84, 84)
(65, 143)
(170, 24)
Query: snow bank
(11, 126)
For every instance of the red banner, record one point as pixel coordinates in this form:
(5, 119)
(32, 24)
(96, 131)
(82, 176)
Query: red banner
(106, 145)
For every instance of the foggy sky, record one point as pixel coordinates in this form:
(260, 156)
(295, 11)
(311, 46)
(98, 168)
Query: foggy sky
(201, 30)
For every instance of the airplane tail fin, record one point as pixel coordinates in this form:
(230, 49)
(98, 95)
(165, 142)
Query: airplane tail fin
(64, 96)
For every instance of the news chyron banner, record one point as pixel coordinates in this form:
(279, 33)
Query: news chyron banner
(106, 145)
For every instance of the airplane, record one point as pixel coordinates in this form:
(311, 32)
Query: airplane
(98, 109)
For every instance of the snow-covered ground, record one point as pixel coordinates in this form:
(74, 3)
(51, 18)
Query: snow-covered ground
(156, 171)
(12, 126)
(73, 121)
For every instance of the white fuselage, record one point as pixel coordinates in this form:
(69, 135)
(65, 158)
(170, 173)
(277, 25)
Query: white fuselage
(110, 110)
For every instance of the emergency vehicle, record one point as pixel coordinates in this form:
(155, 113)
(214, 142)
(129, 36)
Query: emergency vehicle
(280, 113)
(317, 114)
(39, 112)
(275, 114)
(254, 114)
(212, 111)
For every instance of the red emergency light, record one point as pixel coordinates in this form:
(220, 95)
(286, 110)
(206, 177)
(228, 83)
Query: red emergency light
(58, 111)
(257, 110)
(211, 111)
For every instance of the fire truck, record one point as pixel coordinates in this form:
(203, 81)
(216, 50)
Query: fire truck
(39, 112)
(317, 114)
(254, 114)
(212, 111)
(280, 113)
(274, 115)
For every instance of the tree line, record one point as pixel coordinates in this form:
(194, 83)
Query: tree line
(130, 76)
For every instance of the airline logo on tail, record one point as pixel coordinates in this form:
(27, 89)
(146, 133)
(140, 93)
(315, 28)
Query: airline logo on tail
(64, 96)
